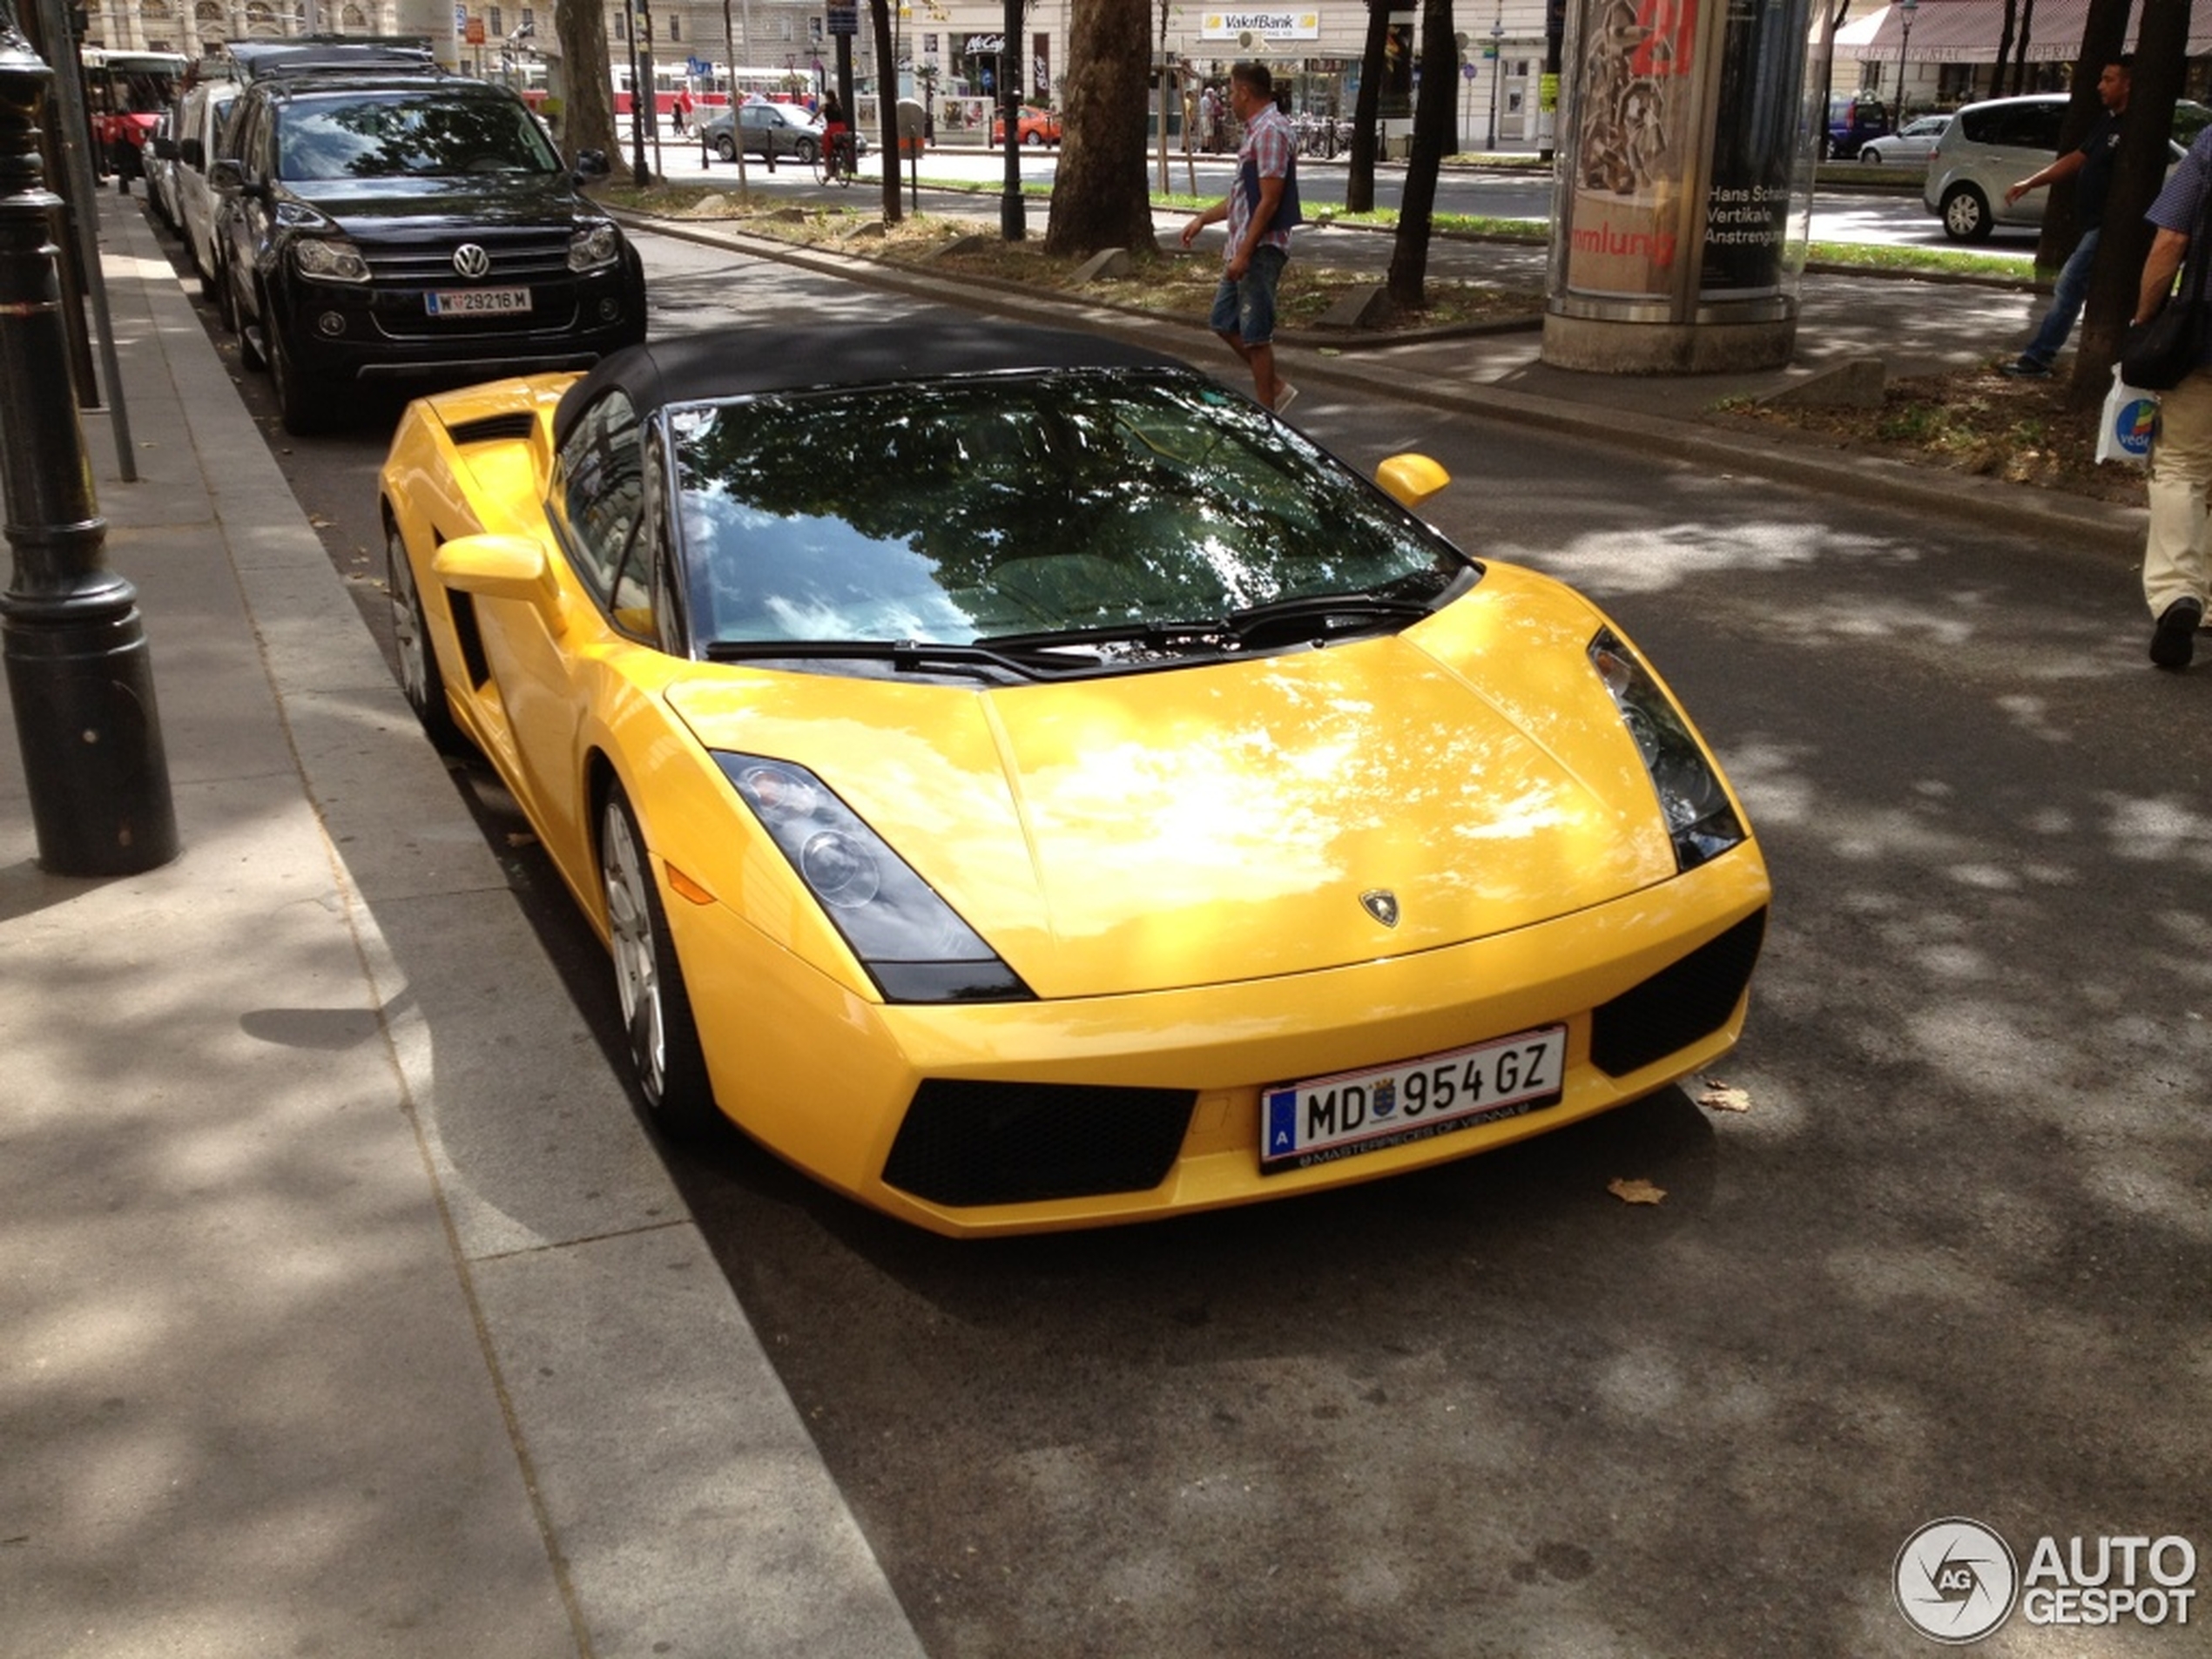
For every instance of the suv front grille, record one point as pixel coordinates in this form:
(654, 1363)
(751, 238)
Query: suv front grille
(516, 257)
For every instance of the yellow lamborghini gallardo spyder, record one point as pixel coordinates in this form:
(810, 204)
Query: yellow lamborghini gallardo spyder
(1025, 784)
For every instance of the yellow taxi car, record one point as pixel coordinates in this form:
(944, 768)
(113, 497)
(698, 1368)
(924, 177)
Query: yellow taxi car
(1025, 784)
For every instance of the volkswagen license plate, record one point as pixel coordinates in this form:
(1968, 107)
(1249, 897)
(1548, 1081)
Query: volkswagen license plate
(1326, 1118)
(477, 302)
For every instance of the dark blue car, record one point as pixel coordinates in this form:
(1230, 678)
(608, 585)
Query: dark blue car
(1853, 117)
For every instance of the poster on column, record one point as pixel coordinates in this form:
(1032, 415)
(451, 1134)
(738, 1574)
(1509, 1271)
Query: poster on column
(1755, 141)
(1635, 112)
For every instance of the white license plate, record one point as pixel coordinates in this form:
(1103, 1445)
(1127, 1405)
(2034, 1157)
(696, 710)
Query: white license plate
(477, 302)
(1322, 1119)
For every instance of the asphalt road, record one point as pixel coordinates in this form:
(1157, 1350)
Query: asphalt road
(1884, 216)
(1952, 1260)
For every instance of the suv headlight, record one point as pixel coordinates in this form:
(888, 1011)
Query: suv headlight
(331, 259)
(1699, 818)
(911, 941)
(595, 247)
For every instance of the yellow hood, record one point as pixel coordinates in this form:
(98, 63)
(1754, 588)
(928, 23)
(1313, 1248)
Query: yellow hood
(1222, 822)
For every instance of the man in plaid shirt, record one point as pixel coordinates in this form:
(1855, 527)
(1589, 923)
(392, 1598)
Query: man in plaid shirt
(1261, 208)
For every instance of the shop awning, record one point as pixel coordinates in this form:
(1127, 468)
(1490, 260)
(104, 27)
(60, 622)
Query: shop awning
(1966, 31)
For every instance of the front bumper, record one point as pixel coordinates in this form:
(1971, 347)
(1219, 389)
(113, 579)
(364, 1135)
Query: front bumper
(372, 332)
(827, 1079)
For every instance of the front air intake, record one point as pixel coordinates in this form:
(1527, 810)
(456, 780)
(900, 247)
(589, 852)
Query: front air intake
(991, 1142)
(1679, 1004)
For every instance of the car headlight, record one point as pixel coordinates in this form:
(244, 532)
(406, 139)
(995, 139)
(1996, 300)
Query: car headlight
(911, 941)
(1699, 818)
(333, 259)
(594, 245)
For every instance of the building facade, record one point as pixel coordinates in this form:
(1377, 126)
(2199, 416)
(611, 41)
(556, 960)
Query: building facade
(1943, 51)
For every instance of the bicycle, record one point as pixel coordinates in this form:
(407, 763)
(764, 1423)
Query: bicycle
(837, 161)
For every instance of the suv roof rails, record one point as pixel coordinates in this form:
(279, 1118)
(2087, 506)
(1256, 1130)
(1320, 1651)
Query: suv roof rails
(253, 60)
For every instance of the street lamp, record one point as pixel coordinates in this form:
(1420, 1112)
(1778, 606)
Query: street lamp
(1905, 9)
(1497, 71)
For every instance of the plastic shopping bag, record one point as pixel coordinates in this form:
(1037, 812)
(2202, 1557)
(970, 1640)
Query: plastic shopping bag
(2129, 422)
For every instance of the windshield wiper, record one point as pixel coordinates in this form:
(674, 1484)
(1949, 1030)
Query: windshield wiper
(1211, 633)
(908, 656)
(1365, 612)
(1020, 656)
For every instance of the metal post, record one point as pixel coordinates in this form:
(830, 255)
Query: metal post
(1497, 74)
(79, 671)
(636, 94)
(1905, 9)
(1012, 228)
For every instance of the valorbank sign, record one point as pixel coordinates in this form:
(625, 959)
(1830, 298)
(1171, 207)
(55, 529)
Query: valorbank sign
(1267, 25)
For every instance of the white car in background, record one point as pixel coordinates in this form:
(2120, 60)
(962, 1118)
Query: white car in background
(199, 119)
(1912, 143)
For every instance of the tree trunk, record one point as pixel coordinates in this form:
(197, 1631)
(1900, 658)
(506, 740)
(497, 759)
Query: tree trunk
(588, 104)
(1359, 173)
(887, 102)
(2162, 44)
(2020, 46)
(1432, 130)
(1100, 195)
(2005, 48)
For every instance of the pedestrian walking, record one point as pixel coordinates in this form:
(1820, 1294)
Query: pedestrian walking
(680, 111)
(1261, 208)
(2090, 165)
(2177, 574)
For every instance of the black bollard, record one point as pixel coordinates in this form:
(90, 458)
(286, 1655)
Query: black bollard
(79, 671)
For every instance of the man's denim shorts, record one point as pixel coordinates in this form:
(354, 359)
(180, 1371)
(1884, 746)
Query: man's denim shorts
(1246, 309)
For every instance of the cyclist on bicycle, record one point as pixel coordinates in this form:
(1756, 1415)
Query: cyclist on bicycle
(837, 136)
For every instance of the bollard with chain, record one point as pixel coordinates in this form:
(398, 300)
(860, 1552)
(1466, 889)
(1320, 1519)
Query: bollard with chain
(79, 671)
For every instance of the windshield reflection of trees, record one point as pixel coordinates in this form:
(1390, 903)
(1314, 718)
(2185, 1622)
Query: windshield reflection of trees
(409, 137)
(1065, 501)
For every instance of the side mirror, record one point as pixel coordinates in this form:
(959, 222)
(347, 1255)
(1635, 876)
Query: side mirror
(1409, 480)
(502, 567)
(226, 173)
(193, 153)
(163, 149)
(592, 164)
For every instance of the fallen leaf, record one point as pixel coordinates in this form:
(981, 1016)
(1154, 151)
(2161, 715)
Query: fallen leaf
(521, 838)
(318, 521)
(1723, 1097)
(1638, 1191)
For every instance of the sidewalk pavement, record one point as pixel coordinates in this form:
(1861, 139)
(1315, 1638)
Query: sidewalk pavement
(350, 1308)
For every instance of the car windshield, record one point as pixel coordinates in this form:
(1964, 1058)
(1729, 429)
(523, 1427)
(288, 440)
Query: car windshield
(409, 134)
(1029, 507)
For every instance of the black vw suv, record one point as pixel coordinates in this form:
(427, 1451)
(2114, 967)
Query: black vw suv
(409, 225)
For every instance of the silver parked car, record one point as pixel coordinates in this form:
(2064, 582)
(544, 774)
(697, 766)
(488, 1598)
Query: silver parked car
(1990, 146)
(779, 130)
(200, 123)
(1912, 142)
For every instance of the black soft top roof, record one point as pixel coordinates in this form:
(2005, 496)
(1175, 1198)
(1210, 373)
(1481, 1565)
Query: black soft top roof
(745, 360)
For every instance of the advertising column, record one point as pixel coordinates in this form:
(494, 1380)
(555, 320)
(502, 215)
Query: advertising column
(1687, 156)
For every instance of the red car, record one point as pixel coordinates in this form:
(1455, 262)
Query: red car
(1034, 126)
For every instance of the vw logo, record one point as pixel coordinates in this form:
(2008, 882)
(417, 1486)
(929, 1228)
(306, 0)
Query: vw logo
(1382, 904)
(471, 261)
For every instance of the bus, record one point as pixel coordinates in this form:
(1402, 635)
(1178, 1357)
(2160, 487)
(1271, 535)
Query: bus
(125, 95)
